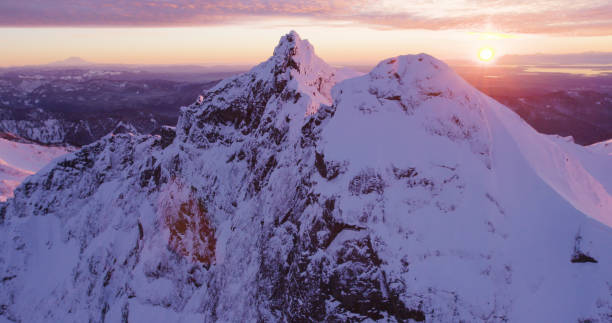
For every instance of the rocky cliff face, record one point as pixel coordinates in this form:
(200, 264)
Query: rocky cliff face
(288, 194)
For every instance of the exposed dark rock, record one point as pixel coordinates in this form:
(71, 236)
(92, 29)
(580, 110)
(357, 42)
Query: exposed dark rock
(7, 278)
(366, 182)
(327, 169)
(579, 256)
(582, 258)
(320, 164)
(167, 136)
(370, 296)
(404, 173)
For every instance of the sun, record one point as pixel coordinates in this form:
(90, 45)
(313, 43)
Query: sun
(486, 54)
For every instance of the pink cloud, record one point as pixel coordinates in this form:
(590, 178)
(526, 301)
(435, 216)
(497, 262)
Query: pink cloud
(562, 16)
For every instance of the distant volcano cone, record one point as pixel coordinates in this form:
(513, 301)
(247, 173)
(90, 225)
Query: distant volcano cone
(71, 61)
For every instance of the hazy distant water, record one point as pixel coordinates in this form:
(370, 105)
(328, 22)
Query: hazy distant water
(569, 69)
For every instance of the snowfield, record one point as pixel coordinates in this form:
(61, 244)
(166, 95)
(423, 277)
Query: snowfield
(20, 159)
(296, 192)
(604, 147)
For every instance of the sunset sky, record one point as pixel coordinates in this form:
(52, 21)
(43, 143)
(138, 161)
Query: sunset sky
(244, 32)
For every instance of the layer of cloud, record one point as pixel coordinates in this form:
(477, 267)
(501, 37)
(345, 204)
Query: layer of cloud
(603, 58)
(578, 17)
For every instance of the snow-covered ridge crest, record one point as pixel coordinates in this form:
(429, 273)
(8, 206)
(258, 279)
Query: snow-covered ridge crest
(604, 146)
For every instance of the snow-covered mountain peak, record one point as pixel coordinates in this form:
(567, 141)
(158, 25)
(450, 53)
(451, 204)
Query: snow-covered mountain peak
(416, 79)
(71, 61)
(407, 65)
(292, 46)
(310, 74)
(272, 99)
(419, 95)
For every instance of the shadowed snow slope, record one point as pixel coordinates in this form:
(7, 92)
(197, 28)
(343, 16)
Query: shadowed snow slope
(295, 192)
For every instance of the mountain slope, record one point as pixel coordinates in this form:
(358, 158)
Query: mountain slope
(294, 193)
(20, 159)
(604, 147)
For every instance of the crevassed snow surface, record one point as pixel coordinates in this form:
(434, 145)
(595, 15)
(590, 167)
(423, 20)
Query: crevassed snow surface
(19, 160)
(297, 193)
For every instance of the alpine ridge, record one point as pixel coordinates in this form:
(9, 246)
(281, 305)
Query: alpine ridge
(300, 192)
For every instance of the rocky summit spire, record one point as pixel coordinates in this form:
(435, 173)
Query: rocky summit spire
(292, 50)
(291, 84)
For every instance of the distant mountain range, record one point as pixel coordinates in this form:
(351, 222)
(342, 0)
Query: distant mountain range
(77, 106)
(79, 63)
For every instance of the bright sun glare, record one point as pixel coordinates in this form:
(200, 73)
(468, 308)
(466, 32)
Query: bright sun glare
(486, 54)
